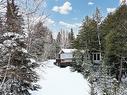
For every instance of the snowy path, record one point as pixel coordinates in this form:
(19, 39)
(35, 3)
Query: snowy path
(60, 81)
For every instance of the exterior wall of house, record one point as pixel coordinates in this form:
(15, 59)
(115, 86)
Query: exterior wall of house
(66, 57)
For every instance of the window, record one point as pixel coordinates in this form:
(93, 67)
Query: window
(94, 56)
(58, 55)
(98, 56)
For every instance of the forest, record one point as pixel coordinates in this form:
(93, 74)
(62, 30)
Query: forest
(26, 40)
(108, 36)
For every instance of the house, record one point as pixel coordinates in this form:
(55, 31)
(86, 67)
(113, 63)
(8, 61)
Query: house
(65, 57)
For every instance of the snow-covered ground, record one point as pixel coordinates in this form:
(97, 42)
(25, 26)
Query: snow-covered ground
(60, 81)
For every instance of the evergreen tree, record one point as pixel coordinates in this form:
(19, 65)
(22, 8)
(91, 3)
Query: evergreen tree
(71, 38)
(58, 39)
(13, 21)
(17, 76)
(114, 37)
(87, 39)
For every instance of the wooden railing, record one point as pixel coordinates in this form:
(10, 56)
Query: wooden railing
(64, 60)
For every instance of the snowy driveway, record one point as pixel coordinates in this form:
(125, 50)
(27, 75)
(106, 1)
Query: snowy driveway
(60, 81)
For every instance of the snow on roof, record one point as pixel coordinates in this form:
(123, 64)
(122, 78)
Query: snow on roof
(67, 50)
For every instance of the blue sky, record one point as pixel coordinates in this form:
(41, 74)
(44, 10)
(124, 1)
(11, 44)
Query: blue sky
(68, 14)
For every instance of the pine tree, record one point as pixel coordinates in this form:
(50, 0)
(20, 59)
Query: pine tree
(58, 39)
(16, 73)
(114, 37)
(13, 18)
(87, 39)
(71, 38)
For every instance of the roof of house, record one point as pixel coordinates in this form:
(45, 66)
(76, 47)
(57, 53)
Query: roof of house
(72, 50)
(67, 51)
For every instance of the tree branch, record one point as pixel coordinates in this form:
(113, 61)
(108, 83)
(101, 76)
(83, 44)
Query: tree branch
(6, 71)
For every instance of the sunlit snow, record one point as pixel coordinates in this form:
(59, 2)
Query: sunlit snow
(60, 81)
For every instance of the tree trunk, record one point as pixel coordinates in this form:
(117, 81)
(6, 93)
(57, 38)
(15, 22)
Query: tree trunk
(120, 69)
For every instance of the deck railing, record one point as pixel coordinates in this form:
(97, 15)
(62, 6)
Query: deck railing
(64, 60)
